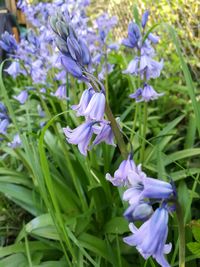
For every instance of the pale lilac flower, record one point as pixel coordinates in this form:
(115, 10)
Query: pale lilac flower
(137, 95)
(153, 38)
(16, 142)
(141, 186)
(22, 97)
(148, 93)
(8, 42)
(14, 69)
(96, 107)
(61, 92)
(133, 66)
(104, 133)
(84, 101)
(139, 212)
(121, 174)
(149, 67)
(80, 136)
(151, 237)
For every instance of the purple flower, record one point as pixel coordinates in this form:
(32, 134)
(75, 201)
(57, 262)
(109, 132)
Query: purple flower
(80, 136)
(151, 237)
(121, 174)
(71, 66)
(3, 126)
(153, 38)
(22, 97)
(84, 101)
(145, 18)
(134, 36)
(146, 94)
(133, 66)
(14, 69)
(8, 42)
(141, 186)
(16, 142)
(96, 107)
(104, 133)
(61, 92)
(139, 212)
(150, 67)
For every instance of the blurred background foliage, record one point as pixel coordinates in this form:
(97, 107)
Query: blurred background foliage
(183, 15)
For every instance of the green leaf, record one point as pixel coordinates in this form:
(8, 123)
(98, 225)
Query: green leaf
(194, 247)
(15, 260)
(117, 225)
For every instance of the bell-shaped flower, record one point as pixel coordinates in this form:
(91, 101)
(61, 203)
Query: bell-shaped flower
(84, 101)
(141, 186)
(96, 107)
(121, 174)
(80, 136)
(137, 95)
(153, 38)
(3, 126)
(71, 66)
(133, 66)
(139, 212)
(150, 238)
(14, 69)
(104, 134)
(148, 93)
(16, 142)
(149, 67)
(61, 92)
(8, 42)
(134, 36)
(22, 97)
(145, 18)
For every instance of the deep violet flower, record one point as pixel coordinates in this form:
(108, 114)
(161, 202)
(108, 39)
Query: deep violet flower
(141, 186)
(84, 101)
(22, 97)
(8, 42)
(121, 174)
(134, 36)
(145, 18)
(96, 107)
(104, 134)
(151, 237)
(80, 136)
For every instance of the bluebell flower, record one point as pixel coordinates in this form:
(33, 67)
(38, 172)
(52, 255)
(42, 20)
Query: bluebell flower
(40, 111)
(150, 68)
(96, 107)
(145, 18)
(14, 69)
(61, 92)
(133, 66)
(3, 126)
(121, 174)
(147, 93)
(16, 142)
(150, 238)
(80, 136)
(8, 42)
(22, 97)
(153, 38)
(104, 133)
(141, 186)
(138, 212)
(84, 101)
(134, 36)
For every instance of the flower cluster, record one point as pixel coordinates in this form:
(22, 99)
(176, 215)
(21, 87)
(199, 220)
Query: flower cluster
(141, 194)
(75, 58)
(143, 65)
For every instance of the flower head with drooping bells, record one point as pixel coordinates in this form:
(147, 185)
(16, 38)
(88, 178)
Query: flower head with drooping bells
(75, 55)
(143, 64)
(150, 238)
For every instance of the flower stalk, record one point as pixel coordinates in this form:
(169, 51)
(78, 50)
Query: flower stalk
(181, 229)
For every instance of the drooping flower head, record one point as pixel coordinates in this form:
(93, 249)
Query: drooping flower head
(150, 238)
(8, 42)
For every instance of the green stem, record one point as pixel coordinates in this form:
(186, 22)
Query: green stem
(144, 133)
(181, 229)
(117, 133)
